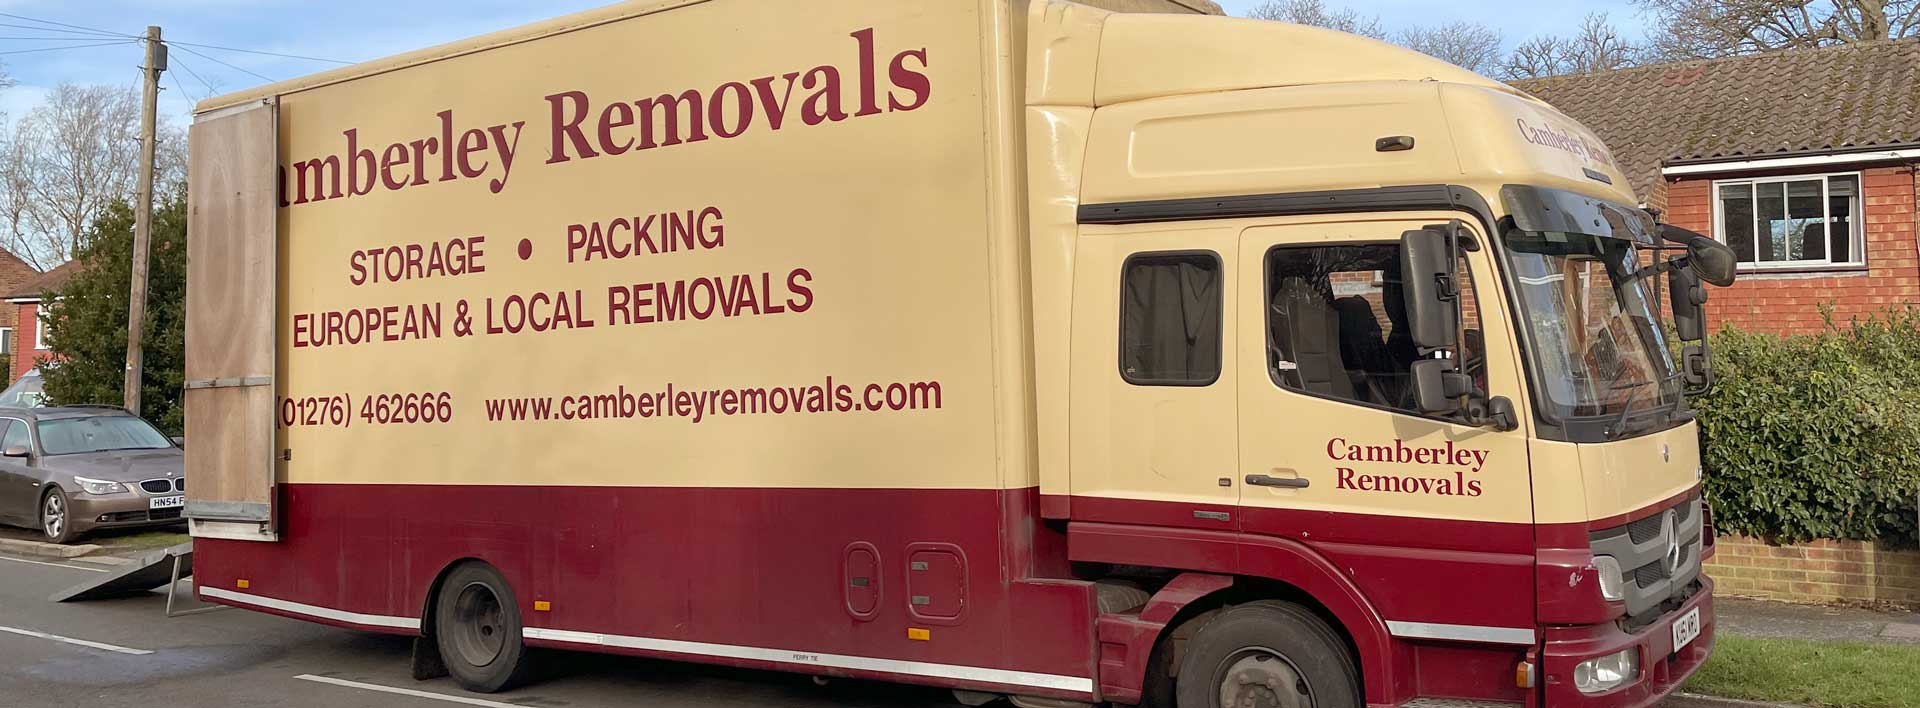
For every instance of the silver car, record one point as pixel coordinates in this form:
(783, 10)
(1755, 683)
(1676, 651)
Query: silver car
(71, 470)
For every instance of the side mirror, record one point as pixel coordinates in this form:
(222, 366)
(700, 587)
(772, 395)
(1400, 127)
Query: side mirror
(16, 451)
(1687, 296)
(1428, 288)
(1712, 260)
(178, 441)
(1438, 385)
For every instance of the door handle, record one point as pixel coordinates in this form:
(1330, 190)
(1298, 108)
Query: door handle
(1271, 481)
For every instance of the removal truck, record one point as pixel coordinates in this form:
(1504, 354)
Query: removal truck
(1027, 348)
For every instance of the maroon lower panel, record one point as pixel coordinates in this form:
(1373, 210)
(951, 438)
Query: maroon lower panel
(820, 570)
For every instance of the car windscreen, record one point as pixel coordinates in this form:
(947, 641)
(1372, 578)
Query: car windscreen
(66, 436)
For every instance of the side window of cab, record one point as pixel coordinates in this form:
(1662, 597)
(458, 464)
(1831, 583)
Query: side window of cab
(1170, 319)
(1337, 326)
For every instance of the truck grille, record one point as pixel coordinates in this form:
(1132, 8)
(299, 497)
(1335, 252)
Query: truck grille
(1659, 555)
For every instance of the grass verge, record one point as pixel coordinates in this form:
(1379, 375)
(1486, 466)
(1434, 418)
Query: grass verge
(1840, 674)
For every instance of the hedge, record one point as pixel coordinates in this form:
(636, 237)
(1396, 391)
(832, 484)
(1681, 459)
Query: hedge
(1816, 436)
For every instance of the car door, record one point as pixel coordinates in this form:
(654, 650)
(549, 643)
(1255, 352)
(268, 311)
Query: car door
(19, 485)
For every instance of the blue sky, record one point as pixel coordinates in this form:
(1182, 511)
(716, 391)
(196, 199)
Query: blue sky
(357, 30)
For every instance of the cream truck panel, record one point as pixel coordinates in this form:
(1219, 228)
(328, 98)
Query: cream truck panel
(1262, 141)
(582, 280)
(1148, 427)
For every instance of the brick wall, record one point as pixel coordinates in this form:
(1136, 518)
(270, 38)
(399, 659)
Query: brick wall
(1789, 303)
(25, 357)
(1817, 571)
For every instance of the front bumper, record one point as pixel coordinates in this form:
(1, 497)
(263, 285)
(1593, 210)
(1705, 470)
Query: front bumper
(88, 512)
(1661, 669)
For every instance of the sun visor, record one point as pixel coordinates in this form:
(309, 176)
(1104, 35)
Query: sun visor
(1547, 209)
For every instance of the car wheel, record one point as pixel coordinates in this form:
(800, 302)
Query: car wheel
(1267, 654)
(477, 626)
(56, 518)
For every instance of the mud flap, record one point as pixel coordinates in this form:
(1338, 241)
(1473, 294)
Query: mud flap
(427, 663)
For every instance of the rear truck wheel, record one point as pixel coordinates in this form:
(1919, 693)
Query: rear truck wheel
(477, 628)
(1267, 654)
(56, 516)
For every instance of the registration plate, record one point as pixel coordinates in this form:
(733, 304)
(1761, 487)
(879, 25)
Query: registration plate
(173, 502)
(1686, 629)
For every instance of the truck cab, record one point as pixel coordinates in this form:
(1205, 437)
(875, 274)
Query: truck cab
(1336, 313)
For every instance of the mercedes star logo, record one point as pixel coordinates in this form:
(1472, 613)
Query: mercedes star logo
(1673, 542)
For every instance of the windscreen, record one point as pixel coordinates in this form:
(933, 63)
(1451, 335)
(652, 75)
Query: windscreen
(1593, 325)
(67, 436)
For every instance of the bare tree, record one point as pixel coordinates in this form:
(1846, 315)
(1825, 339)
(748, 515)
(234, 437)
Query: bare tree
(1597, 46)
(1470, 46)
(1315, 13)
(66, 160)
(1692, 29)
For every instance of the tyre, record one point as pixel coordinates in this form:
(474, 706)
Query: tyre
(476, 624)
(1269, 654)
(56, 516)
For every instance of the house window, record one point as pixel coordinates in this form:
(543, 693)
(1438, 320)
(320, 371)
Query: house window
(6, 340)
(1791, 221)
(40, 331)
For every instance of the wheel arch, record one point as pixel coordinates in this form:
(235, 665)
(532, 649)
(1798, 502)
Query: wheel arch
(429, 607)
(1239, 568)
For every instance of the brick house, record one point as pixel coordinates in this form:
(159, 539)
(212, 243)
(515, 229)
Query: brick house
(13, 273)
(28, 338)
(1803, 161)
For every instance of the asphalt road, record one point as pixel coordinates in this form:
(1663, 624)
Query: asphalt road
(237, 658)
(138, 658)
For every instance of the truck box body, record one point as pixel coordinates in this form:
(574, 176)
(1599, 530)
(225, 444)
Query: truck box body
(783, 335)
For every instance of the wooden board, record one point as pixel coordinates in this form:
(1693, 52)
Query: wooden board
(232, 260)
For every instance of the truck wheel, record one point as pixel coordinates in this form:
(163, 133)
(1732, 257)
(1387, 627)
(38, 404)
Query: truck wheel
(56, 518)
(476, 623)
(1267, 654)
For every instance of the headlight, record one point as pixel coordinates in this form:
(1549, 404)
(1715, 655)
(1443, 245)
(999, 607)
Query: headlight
(1612, 583)
(99, 486)
(1608, 672)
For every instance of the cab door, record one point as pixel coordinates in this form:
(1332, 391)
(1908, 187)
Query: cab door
(1429, 516)
(1153, 439)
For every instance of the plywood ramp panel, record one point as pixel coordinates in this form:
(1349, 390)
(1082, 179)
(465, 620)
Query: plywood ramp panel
(232, 242)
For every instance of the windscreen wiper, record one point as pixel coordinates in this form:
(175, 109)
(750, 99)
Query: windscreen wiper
(1619, 425)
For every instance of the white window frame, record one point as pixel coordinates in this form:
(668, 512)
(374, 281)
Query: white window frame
(6, 340)
(1857, 223)
(40, 328)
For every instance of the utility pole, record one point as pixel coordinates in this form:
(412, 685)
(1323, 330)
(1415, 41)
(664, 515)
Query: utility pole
(143, 215)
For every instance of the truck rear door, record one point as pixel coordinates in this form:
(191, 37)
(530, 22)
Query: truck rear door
(232, 295)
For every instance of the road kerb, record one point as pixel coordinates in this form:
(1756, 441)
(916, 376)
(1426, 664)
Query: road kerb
(1696, 700)
(41, 549)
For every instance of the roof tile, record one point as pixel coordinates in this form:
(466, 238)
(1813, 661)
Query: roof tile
(1853, 96)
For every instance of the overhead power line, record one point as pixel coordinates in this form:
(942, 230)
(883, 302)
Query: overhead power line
(216, 60)
(42, 28)
(195, 74)
(255, 51)
(70, 46)
(57, 39)
(94, 30)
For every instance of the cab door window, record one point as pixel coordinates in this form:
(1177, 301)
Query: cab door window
(1337, 326)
